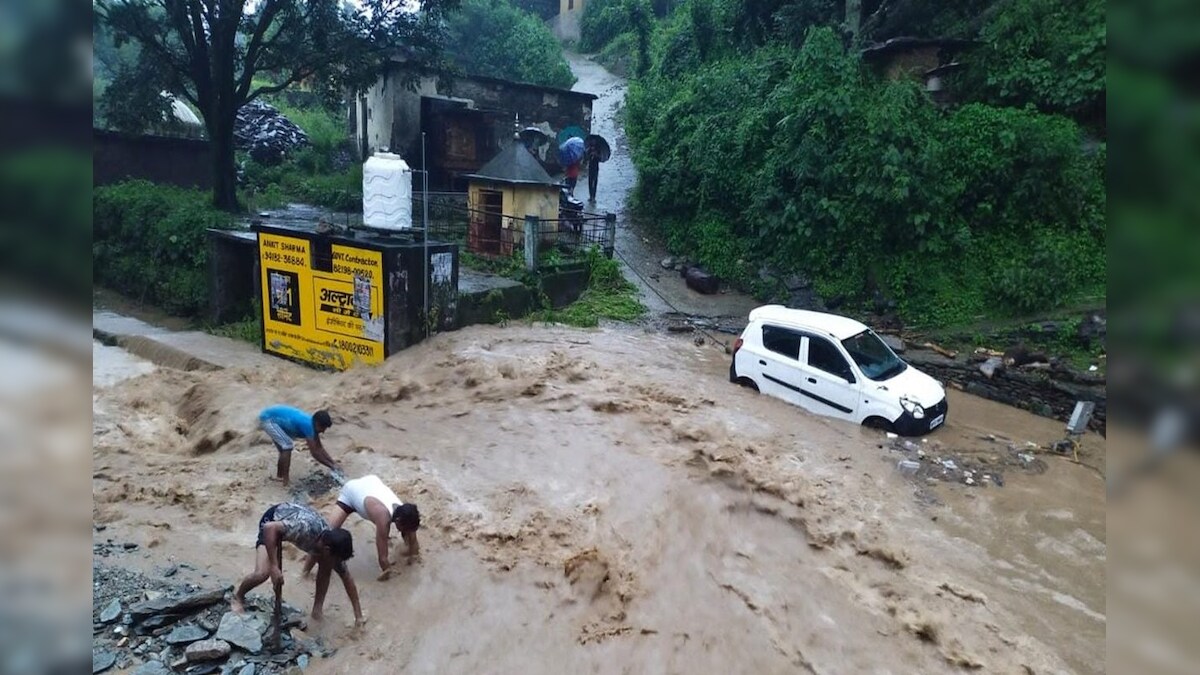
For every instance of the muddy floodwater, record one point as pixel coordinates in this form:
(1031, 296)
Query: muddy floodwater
(606, 499)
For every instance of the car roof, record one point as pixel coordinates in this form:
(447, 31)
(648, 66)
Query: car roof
(840, 327)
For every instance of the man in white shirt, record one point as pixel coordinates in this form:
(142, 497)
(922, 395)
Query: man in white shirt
(374, 501)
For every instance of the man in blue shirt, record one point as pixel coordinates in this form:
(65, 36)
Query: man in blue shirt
(284, 423)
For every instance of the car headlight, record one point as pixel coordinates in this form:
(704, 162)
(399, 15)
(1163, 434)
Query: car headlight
(913, 408)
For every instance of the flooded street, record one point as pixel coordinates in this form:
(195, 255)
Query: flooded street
(607, 499)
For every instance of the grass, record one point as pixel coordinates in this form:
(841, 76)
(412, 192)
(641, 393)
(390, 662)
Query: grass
(608, 296)
(247, 330)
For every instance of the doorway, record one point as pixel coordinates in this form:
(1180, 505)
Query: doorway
(492, 207)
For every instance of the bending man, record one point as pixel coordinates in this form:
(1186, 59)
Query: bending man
(374, 501)
(305, 529)
(284, 423)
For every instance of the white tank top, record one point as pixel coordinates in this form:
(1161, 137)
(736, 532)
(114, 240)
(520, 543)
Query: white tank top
(355, 492)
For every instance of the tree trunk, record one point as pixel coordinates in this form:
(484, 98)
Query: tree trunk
(224, 110)
(224, 167)
(853, 19)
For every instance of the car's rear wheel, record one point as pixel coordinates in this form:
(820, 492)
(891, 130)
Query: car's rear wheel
(748, 383)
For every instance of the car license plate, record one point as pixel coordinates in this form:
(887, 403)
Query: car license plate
(937, 421)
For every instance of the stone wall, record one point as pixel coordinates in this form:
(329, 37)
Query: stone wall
(186, 162)
(1050, 393)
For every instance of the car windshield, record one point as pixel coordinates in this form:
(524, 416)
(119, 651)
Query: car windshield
(876, 360)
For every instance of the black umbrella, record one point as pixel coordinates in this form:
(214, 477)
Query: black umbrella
(533, 138)
(596, 144)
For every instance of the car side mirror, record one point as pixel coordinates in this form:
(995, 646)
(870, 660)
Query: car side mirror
(849, 378)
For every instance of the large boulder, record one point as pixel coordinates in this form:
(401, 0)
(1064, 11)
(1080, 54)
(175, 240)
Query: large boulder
(700, 281)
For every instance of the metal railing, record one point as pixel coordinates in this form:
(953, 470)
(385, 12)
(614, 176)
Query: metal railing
(490, 234)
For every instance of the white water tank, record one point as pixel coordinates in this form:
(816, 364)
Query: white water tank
(387, 192)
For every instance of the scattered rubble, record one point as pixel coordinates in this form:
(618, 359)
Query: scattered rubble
(266, 134)
(174, 631)
(930, 462)
(315, 484)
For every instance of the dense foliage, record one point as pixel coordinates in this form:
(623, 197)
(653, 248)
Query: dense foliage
(801, 159)
(1049, 53)
(496, 39)
(149, 243)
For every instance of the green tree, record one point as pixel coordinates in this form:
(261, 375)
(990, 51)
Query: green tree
(221, 54)
(496, 39)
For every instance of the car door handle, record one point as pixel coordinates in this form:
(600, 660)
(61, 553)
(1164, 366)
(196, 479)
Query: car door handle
(761, 362)
(812, 380)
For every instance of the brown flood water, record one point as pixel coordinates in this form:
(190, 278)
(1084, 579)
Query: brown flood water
(606, 499)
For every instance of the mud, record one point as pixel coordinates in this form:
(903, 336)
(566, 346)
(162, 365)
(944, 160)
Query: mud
(606, 499)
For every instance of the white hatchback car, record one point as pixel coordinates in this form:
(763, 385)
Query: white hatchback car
(833, 365)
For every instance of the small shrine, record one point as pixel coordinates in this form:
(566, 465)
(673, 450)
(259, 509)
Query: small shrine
(511, 186)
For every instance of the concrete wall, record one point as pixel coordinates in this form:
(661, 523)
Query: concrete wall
(185, 162)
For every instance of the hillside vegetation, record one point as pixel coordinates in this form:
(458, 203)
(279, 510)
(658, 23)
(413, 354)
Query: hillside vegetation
(762, 139)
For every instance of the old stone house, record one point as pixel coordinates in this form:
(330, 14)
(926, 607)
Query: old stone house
(466, 120)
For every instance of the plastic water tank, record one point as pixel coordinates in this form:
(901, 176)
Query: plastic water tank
(387, 192)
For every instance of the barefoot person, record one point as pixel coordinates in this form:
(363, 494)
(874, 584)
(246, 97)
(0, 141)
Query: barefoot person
(305, 529)
(374, 501)
(284, 423)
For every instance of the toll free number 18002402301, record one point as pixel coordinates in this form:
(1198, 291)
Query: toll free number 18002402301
(353, 347)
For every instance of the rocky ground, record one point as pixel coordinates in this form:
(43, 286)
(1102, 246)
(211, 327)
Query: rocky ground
(154, 624)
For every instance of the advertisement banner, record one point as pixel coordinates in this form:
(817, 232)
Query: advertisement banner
(331, 319)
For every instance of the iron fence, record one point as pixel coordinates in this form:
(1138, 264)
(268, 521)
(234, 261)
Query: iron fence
(490, 234)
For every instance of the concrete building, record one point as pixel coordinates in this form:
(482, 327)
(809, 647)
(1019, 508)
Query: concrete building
(466, 120)
(566, 24)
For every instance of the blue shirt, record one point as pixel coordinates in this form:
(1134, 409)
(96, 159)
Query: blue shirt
(295, 423)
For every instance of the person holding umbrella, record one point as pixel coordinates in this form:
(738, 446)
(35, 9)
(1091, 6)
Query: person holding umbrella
(570, 154)
(596, 150)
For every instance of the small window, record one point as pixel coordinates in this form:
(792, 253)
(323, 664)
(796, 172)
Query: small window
(781, 341)
(823, 355)
(570, 4)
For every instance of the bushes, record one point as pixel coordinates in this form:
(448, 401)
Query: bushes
(1048, 53)
(149, 243)
(609, 295)
(800, 159)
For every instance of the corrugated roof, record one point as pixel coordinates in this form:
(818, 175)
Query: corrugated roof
(514, 164)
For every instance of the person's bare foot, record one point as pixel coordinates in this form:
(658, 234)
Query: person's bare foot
(236, 605)
(384, 575)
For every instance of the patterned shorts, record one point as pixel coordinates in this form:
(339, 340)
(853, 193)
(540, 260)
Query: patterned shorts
(278, 435)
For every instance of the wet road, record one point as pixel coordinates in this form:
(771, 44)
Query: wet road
(663, 291)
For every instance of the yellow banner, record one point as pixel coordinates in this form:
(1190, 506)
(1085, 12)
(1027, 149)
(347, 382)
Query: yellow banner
(332, 319)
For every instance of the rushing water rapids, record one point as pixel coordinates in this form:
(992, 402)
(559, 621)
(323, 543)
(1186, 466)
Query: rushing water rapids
(607, 499)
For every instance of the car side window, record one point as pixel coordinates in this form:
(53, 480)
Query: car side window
(823, 355)
(782, 341)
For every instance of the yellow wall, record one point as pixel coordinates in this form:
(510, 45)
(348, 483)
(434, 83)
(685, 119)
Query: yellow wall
(519, 201)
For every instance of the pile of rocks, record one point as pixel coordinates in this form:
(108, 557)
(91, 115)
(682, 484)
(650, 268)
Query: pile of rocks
(266, 134)
(931, 463)
(154, 628)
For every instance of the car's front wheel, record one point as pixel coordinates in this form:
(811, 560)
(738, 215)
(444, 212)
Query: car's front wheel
(878, 423)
